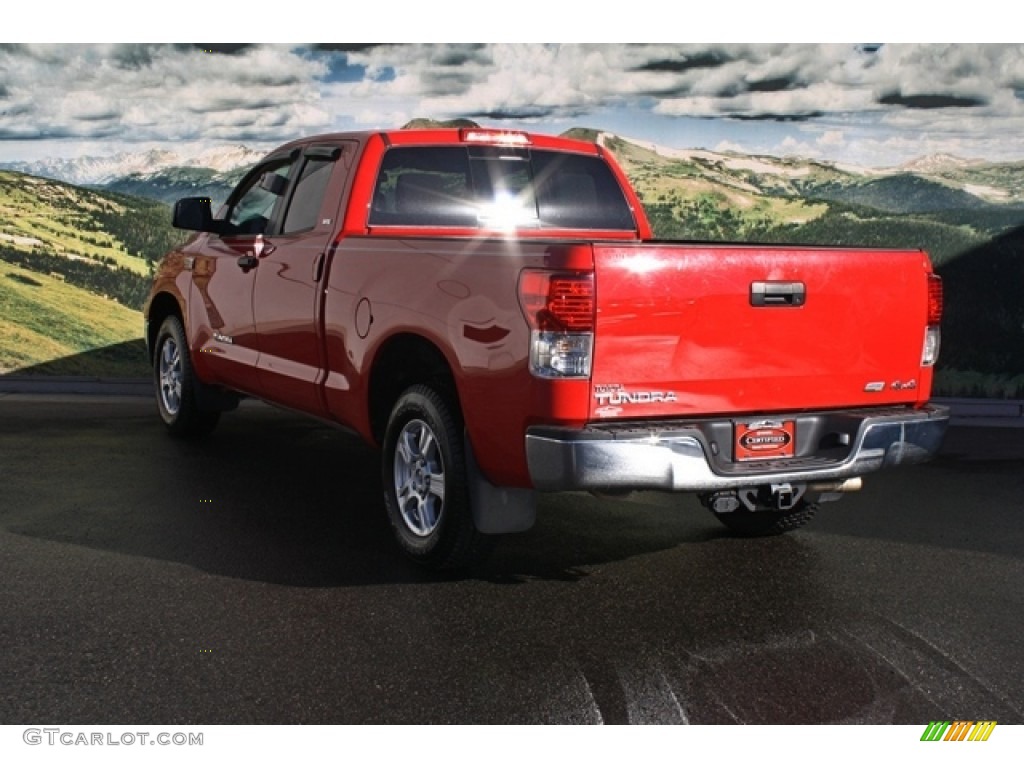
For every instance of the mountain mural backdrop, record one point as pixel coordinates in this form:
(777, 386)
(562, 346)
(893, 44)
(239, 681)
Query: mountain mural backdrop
(78, 240)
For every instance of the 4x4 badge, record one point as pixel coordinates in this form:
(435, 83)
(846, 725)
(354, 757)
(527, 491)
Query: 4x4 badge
(897, 385)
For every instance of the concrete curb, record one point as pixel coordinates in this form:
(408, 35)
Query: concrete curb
(74, 385)
(977, 412)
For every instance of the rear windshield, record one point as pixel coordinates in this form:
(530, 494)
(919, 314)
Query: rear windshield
(497, 187)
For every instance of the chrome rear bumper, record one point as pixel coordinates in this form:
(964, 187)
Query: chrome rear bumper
(695, 455)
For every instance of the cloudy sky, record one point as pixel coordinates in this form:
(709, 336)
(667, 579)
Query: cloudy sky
(871, 104)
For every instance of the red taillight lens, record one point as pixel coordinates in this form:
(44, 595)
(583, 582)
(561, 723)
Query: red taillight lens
(934, 299)
(560, 310)
(556, 302)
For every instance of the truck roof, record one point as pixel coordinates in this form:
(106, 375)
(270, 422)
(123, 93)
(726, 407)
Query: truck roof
(453, 136)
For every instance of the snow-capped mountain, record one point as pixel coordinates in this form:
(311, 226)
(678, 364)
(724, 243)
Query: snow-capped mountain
(938, 163)
(228, 158)
(93, 171)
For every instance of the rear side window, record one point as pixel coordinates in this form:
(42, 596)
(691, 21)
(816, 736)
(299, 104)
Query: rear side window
(424, 186)
(309, 195)
(497, 187)
(579, 192)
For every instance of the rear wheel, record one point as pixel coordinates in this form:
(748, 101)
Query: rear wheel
(176, 384)
(425, 485)
(767, 522)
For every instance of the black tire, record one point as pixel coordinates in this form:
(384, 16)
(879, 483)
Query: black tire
(767, 522)
(426, 494)
(176, 384)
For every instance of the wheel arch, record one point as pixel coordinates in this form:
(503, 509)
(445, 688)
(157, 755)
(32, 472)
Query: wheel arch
(402, 361)
(162, 306)
(406, 360)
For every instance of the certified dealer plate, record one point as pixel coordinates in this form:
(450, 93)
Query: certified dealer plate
(764, 439)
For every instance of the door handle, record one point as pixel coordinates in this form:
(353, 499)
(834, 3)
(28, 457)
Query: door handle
(247, 262)
(777, 294)
(262, 248)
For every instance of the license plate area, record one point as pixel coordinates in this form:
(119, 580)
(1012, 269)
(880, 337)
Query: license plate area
(761, 439)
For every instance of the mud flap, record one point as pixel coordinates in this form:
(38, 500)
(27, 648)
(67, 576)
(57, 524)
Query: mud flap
(497, 510)
(210, 398)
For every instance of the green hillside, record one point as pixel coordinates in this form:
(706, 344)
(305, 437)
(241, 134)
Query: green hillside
(46, 216)
(703, 195)
(901, 193)
(46, 322)
(75, 266)
(104, 242)
(172, 184)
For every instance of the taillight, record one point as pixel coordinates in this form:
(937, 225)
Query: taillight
(560, 310)
(934, 299)
(554, 302)
(932, 334)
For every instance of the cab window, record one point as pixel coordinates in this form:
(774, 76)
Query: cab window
(257, 202)
(309, 196)
(483, 186)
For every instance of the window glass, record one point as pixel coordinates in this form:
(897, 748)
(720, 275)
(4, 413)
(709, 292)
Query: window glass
(503, 183)
(254, 208)
(497, 187)
(309, 195)
(424, 186)
(579, 192)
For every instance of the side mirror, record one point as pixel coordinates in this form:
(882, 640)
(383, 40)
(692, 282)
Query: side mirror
(194, 213)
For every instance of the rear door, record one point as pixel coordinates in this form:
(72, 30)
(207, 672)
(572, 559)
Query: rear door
(722, 329)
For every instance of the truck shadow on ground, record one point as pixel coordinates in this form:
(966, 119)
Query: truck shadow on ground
(276, 498)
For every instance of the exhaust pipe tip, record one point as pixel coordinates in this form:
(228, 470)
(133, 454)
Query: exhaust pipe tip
(849, 485)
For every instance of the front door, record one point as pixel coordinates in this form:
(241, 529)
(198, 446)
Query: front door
(223, 275)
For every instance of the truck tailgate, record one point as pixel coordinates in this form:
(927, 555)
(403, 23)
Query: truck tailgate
(687, 329)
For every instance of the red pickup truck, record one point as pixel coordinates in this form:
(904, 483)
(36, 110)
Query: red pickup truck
(490, 309)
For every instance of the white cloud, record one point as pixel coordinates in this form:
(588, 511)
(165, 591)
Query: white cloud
(831, 139)
(155, 92)
(834, 99)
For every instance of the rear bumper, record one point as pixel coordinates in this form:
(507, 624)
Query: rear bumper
(696, 455)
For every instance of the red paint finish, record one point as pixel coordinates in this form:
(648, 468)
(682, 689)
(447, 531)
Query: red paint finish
(446, 286)
(220, 319)
(679, 319)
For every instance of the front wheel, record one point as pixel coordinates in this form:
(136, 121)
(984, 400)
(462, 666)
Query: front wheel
(425, 485)
(176, 384)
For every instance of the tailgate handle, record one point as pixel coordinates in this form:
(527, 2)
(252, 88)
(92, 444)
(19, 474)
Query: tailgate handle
(777, 294)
